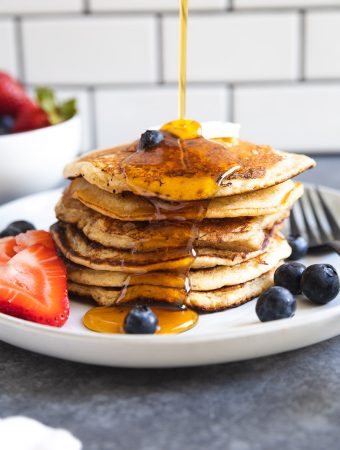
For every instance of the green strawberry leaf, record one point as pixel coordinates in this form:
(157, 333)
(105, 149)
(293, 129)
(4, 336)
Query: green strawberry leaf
(57, 112)
(68, 108)
(46, 98)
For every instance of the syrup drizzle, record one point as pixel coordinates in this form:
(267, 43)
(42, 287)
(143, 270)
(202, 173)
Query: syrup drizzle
(186, 169)
(179, 177)
(182, 78)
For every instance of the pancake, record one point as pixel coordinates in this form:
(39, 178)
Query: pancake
(260, 167)
(212, 301)
(76, 247)
(200, 280)
(235, 234)
(230, 296)
(130, 207)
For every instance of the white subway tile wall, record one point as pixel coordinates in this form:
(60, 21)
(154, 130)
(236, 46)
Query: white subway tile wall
(8, 57)
(40, 6)
(123, 114)
(85, 50)
(284, 3)
(272, 65)
(323, 55)
(299, 117)
(236, 47)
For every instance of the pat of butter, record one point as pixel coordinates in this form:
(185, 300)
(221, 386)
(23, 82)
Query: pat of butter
(212, 130)
(216, 129)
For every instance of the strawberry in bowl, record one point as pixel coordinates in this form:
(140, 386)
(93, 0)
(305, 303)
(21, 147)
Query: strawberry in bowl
(33, 284)
(18, 112)
(38, 137)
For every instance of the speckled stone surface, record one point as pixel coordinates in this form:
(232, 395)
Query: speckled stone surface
(289, 401)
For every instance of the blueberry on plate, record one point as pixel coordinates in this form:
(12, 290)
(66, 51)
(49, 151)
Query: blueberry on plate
(140, 320)
(299, 246)
(15, 228)
(289, 276)
(320, 283)
(275, 303)
(149, 139)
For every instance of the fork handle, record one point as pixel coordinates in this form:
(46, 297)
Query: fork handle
(335, 245)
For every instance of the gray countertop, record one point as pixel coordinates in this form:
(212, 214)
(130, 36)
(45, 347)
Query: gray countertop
(287, 401)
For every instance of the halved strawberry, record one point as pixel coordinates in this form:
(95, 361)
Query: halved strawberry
(33, 286)
(32, 237)
(7, 249)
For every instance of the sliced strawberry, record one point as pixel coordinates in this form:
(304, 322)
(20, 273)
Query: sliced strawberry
(33, 286)
(32, 237)
(7, 249)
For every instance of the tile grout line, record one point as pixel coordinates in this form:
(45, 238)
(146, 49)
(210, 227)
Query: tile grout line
(204, 84)
(92, 117)
(86, 7)
(231, 102)
(159, 49)
(19, 48)
(302, 46)
(199, 12)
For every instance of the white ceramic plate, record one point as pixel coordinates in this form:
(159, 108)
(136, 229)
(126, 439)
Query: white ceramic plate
(220, 337)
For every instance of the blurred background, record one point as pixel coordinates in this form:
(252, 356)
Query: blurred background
(272, 65)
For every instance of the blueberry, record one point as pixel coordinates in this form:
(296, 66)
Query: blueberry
(289, 276)
(14, 228)
(275, 303)
(320, 283)
(299, 246)
(149, 139)
(141, 320)
(6, 124)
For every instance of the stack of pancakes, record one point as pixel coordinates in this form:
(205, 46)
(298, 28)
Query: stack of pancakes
(103, 230)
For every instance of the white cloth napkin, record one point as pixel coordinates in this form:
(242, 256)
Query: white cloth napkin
(23, 433)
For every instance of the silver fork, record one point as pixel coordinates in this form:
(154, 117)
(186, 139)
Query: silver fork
(326, 232)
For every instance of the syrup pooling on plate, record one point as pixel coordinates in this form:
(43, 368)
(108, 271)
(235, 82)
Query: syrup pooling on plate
(111, 319)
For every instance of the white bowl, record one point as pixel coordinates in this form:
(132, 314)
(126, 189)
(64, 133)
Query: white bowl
(33, 161)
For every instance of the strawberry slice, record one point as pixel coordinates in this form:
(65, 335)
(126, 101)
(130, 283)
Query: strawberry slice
(32, 237)
(33, 286)
(7, 249)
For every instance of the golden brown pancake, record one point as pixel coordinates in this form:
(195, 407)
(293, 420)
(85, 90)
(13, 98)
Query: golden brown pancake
(200, 280)
(211, 301)
(230, 296)
(235, 234)
(76, 247)
(130, 207)
(260, 167)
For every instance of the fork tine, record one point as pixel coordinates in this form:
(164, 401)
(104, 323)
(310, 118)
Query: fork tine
(325, 237)
(294, 228)
(331, 219)
(313, 240)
